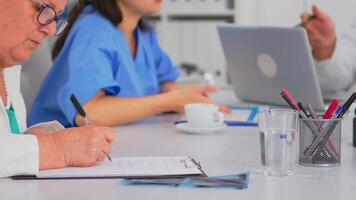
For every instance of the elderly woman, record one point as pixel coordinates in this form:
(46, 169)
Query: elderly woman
(24, 24)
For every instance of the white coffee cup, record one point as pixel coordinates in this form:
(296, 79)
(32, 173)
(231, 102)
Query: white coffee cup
(203, 115)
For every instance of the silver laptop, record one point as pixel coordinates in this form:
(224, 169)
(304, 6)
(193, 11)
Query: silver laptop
(262, 60)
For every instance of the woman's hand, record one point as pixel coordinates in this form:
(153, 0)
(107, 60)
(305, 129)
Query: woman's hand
(322, 34)
(75, 147)
(192, 94)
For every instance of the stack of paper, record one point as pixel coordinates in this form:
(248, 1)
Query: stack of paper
(129, 167)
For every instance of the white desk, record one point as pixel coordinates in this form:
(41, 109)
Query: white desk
(235, 150)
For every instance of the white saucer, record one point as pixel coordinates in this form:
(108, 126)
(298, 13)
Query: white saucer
(197, 130)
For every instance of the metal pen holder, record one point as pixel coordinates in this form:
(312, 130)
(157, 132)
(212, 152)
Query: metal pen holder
(320, 142)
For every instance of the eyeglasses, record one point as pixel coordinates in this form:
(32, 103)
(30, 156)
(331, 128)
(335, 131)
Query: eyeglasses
(47, 14)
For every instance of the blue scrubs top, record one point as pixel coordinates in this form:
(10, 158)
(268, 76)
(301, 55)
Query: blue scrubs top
(96, 57)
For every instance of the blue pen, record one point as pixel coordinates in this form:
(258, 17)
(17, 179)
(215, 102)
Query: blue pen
(232, 123)
(338, 111)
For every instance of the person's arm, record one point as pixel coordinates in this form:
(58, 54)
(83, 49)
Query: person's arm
(74, 147)
(38, 149)
(336, 63)
(168, 86)
(339, 72)
(18, 155)
(321, 32)
(111, 111)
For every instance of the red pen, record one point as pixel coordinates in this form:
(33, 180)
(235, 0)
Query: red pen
(330, 111)
(328, 115)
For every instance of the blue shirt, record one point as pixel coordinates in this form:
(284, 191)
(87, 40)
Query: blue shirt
(96, 57)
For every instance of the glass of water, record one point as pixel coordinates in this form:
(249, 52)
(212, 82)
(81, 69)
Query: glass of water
(278, 139)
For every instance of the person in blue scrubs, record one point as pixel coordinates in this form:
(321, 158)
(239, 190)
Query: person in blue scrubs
(111, 60)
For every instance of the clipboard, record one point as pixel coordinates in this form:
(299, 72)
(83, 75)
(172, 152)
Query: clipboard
(187, 167)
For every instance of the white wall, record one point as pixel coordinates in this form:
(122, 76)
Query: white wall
(287, 12)
(342, 11)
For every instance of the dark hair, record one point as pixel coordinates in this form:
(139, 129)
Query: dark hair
(108, 8)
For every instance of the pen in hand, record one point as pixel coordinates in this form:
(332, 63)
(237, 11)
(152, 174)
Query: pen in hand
(82, 113)
(310, 18)
(79, 109)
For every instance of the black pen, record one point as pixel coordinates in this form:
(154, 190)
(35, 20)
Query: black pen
(79, 109)
(312, 111)
(310, 18)
(347, 105)
(81, 112)
(303, 109)
(288, 101)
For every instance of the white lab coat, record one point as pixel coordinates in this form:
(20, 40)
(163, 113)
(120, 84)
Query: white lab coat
(19, 154)
(339, 73)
